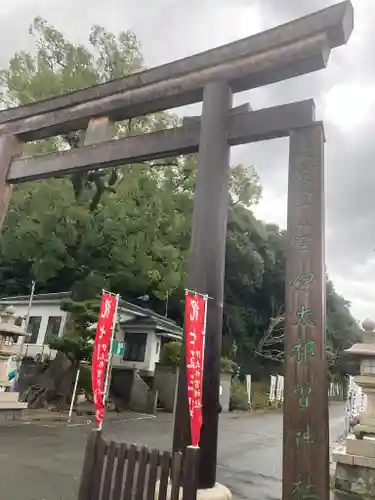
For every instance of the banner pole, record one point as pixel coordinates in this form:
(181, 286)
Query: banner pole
(110, 357)
(187, 291)
(204, 332)
(108, 292)
(74, 395)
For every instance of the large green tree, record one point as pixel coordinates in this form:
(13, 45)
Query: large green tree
(57, 241)
(128, 229)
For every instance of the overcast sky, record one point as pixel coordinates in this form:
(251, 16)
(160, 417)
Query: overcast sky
(170, 29)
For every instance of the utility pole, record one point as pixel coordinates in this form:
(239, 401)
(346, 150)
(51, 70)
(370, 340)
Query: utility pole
(22, 339)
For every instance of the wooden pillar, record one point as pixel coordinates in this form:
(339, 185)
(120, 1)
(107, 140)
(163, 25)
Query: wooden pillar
(206, 270)
(306, 432)
(99, 130)
(10, 147)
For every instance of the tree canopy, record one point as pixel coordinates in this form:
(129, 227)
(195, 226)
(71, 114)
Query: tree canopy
(128, 229)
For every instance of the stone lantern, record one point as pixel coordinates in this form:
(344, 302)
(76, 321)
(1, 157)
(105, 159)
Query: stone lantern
(10, 331)
(355, 462)
(365, 353)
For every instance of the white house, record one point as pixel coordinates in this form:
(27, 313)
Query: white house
(141, 333)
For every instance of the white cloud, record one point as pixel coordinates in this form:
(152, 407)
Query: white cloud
(349, 105)
(247, 20)
(6, 6)
(170, 29)
(272, 207)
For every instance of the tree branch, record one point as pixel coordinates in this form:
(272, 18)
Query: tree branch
(265, 346)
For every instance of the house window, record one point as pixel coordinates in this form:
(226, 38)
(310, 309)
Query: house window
(53, 328)
(33, 327)
(135, 346)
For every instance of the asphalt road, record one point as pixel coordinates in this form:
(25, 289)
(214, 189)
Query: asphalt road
(41, 461)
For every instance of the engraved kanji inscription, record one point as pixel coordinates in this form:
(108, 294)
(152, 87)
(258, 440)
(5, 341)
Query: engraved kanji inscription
(302, 281)
(303, 394)
(303, 350)
(304, 239)
(303, 491)
(304, 180)
(304, 200)
(303, 317)
(304, 437)
(303, 222)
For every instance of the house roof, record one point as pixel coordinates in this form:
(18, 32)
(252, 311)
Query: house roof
(163, 325)
(41, 297)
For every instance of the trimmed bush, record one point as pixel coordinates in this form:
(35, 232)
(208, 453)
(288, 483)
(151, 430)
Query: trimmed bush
(170, 353)
(238, 395)
(226, 365)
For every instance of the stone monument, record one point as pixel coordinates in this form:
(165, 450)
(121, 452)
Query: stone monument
(9, 350)
(355, 462)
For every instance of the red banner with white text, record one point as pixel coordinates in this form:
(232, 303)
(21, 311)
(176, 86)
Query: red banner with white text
(101, 352)
(195, 324)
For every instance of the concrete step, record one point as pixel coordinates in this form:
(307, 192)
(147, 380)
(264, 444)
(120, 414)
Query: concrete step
(9, 397)
(11, 405)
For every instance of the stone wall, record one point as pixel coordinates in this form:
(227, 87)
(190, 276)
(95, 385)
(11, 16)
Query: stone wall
(356, 481)
(165, 382)
(142, 398)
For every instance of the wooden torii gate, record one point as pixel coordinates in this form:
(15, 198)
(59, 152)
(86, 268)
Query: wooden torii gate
(287, 51)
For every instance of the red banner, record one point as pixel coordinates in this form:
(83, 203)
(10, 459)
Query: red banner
(195, 319)
(101, 352)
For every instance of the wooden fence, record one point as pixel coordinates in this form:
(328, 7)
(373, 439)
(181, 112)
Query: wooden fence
(116, 471)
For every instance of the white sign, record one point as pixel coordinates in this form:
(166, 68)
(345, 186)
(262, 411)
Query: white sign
(280, 388)
(272, 395)
(248, 388)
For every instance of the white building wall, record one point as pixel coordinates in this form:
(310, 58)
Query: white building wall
(151, 351)
(120, 332)
(152, 354)
(44, 311)
(157, 349)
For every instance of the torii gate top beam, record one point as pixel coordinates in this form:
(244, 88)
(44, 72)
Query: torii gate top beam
(289, 50)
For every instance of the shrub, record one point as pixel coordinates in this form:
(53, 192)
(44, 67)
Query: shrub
(84, 382)
(226, 365)
(238, 395)
(170, 353)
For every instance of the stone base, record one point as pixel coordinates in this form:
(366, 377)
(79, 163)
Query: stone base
(9, 401)
(357, 481)
(355, 468)
(361, 430)
(367, 420)
(361, 447)
(219, 492)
